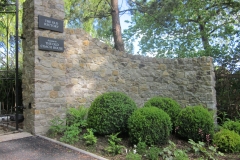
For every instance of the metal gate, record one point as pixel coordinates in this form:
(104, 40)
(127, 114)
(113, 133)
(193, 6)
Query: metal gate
(10, 82)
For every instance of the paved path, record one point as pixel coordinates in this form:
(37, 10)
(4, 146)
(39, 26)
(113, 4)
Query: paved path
(28, 147)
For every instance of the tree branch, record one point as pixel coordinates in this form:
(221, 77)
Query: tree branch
(127, 10)
(109, 4)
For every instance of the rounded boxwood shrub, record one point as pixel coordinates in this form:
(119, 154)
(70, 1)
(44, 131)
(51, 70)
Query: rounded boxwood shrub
(170, 106)
(109, 113)
(227, 141)
(195, 123)
(150, 125)
(232, 126)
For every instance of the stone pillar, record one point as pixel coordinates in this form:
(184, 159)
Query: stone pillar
(39, 94)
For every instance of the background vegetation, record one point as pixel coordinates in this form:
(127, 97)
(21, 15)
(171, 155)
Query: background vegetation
(165, 28)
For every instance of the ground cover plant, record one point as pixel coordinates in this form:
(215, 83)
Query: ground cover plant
(120, 146)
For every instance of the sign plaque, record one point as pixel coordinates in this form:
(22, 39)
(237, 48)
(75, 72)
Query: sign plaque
(50, 44)
(50, 23)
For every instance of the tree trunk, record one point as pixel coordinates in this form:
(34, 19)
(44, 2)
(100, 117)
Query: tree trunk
(205, 40)
(116, 26)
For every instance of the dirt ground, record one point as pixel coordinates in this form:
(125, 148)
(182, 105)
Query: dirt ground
(9, 128)
(102, 143)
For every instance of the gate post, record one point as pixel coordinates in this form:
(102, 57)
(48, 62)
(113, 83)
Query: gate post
(37, 72)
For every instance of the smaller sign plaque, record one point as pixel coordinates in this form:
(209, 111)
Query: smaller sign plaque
(50, 44)
(50, 23)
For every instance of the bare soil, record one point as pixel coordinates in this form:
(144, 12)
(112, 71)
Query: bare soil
(8, 128)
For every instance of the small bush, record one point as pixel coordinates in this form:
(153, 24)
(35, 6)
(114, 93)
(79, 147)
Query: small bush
(89, 137)
(170, 106)
(153, 153)
(77, 115)
(232, 126)
(132, 156)
(149, 124)
(227, 141)
(57, 126)
(171, 152)
(195, 123)
(141, 148)
(109, 113)
(201, 149)
(71, 134)
(114, 148)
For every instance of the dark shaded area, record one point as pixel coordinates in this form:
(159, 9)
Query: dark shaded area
(228, 94)
(36, 148)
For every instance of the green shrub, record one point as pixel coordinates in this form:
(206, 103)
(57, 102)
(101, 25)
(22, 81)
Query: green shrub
(89, 137)
(171, 152)
(170, 106)
(109, 113)
(77, 115)
(201, 149)
(195, 123)
(227, 141)
(57, 126)
(141, 148)
(133, 156)
(232, 126)
(71, 134)
(153, 153)
(114, 148)
(149, 124)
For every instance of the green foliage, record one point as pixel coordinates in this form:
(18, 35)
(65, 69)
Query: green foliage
(170, 106)
(109, 113)
(71, 134)
(228, 90)
(114, 148)
(7, 88)
(56, 126)
(227, 141)
(77, 115)
(232, 126)
(141, 148)
(208, 153)
(150, 125)
(180, 155)
(195, 123)
(175, 28)
(75, 119)
(93, 16)
(89, 137)
(132, 156)
(114, 138)
(171, 152)
(153, 153)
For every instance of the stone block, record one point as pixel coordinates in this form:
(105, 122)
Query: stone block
(86, 43)
(115, 73)
(53, 94)
(165, 73)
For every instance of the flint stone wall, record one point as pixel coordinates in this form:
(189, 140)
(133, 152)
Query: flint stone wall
(53, 81)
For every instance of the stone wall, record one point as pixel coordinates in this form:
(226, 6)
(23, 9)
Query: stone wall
(53, 81)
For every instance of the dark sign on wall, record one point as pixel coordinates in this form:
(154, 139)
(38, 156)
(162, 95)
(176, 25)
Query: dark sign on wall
(50, 23)
(50, 44)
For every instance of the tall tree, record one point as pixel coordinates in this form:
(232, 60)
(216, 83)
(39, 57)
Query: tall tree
(90, 14)
(7, 30)
(185, 28)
